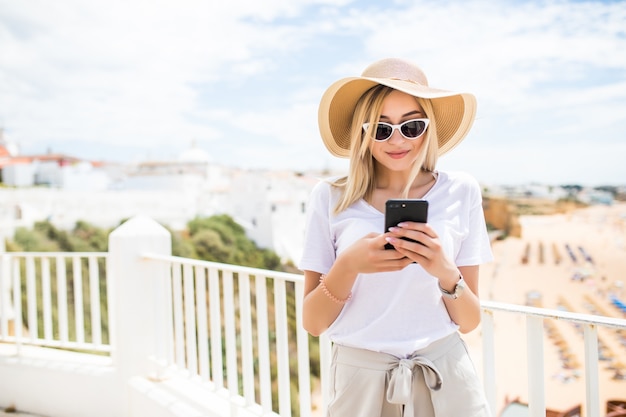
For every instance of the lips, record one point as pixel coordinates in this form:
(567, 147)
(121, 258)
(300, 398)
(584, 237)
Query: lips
(397, 154)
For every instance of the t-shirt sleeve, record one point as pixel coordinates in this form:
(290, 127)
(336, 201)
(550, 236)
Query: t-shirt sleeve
(476, 247)
(319, 249)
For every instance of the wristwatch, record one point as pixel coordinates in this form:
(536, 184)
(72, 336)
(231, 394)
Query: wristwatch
(456, 292)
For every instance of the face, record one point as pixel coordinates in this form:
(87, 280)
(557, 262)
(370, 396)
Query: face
(398, 153)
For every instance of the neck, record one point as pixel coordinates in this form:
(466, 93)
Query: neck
(395, 182)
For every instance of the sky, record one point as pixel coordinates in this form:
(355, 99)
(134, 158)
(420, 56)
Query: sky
(135, 80)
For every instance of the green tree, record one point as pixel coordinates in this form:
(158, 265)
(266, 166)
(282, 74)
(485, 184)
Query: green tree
(35, 240)
(50, 232)
(210, 246)
(219, 238)
(86, 237)
(181, 244)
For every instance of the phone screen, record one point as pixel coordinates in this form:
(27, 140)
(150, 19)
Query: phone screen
(400, 210)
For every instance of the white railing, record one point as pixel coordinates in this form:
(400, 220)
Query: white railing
(233, 333)
(536, 319)
(223, 331)
(235, 293)
(73, 319)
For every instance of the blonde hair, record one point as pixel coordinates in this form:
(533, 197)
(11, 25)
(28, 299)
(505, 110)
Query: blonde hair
(361, 179)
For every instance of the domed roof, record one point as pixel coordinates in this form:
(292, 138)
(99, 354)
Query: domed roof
(194, 154)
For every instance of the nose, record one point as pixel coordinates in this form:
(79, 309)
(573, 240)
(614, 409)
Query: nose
(396, 136)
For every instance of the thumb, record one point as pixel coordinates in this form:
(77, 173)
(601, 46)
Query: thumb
(378, 239)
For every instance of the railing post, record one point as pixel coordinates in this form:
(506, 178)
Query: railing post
(135, 295)
(489, 359)
(591, 370)
(6, 307)
(536, 388)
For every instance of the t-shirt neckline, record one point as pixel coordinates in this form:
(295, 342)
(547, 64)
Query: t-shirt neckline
(436, 174)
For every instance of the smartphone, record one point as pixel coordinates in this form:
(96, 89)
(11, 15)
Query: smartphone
(398, 211)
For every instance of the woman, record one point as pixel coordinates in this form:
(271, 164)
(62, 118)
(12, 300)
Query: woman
(394, 316)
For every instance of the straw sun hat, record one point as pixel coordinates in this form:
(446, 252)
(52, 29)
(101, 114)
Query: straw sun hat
(454, 112)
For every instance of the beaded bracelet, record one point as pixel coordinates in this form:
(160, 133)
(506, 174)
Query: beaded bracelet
(330, 295)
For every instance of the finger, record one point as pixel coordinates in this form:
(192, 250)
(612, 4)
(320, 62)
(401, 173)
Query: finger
(416, 251)
(396, 264)
(421, 227)
(393, 255)
(429, 231)
(400, 244)
(414, 235)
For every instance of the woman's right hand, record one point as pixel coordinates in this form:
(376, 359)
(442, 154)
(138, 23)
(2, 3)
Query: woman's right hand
(368, 255)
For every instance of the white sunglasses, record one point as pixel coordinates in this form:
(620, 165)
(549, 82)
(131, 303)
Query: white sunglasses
(411, 129)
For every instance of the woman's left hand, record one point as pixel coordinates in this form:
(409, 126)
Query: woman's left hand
(426, 250)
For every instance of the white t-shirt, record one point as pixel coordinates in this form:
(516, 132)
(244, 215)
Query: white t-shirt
(403, 311)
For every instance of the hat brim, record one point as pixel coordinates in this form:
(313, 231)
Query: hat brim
(453, 112)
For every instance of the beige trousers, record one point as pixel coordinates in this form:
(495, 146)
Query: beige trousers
(437, 381)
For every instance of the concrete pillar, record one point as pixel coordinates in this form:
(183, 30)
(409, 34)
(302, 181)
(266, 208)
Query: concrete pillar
(136, 297)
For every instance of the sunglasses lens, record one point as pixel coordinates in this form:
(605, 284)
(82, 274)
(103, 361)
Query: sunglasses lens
(383, 131)
(413, 128)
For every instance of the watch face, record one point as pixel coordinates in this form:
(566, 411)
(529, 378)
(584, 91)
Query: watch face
(458, 289)
(460, 286)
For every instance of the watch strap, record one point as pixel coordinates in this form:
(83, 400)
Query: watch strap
(456, 292)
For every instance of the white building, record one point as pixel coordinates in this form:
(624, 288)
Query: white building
(269, 205)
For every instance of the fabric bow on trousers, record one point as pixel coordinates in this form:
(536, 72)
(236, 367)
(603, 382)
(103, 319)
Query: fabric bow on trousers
(438, 380)
(400, 389)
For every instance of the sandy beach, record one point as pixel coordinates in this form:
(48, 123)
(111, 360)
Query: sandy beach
(573, 262)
